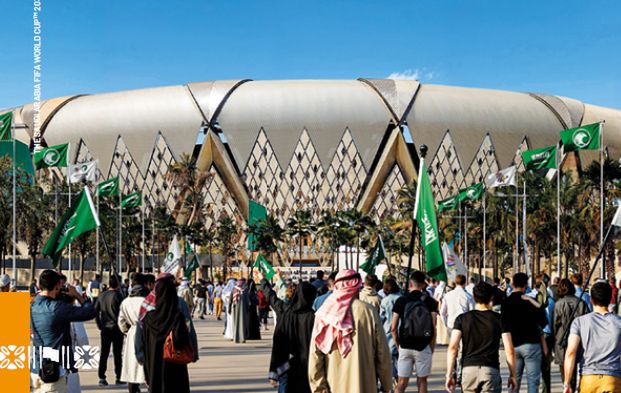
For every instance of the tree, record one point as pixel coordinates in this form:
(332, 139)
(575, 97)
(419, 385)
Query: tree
(268, 233)
(328, 230)
(300, 226)
(189, 182)
(32, 221)
(359, 224)
(226, 234)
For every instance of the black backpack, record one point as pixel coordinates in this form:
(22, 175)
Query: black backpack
(417, 330)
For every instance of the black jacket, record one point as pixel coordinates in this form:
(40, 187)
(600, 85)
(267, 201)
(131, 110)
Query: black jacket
(107, 307)
(523, 319)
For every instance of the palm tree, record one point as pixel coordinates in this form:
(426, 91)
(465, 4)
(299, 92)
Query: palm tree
(359, 224)
(189, 182)
(225, 234)
(268, 235)
(300, 226)
(32, 220)
(328, 230)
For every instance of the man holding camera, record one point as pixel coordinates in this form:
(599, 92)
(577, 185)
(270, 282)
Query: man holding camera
(51, 314)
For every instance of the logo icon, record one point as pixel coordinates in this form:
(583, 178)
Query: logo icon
(581, 138)
(51, 158)
(471, 193)
(170, 256)
(12, 357)
(86, 357)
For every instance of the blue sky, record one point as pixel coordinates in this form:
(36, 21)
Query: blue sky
(569, 47)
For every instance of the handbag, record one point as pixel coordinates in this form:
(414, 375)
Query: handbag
(49, 372)
(178, 347)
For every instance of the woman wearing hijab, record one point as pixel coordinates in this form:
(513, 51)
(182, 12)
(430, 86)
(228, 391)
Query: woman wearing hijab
(292, 337)
(348, 350)
(240, 312)
(162, 376)
(227, 300)
(254, 325)
(132, 372)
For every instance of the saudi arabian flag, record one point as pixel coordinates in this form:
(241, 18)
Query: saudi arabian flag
(448, 204)
(53, 156)
(5, 126)
(375, 257)
(194, 264)
(81, 218)
(108, 187)
(132, 200)
(256, 213)
(264, 266)
(173, 256)
(472, 193)
(425, 215)
(582, 138)
(536, 159)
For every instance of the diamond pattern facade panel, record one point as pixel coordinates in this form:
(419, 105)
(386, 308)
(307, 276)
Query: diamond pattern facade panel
(217, 200)
(83, 154)
(124, 166)
(264, 176)
(483, 163)
(517, 159)
(157, 188)
(445, 170)
(385, 204)
(304, 176)
(345, 175)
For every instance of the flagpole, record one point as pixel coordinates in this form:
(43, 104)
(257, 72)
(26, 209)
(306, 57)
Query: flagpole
(601, 196)
(14, 207)
(97, 234)
(120, 235)
(70, 267)
(466, 236)
(143, 242)
(527, 266)
(558, 212)
(484, 233)
(423, 153)
(516, 263)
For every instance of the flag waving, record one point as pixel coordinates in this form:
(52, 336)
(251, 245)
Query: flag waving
(454, 266)
(543, 158)
(256, 213)
(173, 256)
(472, 193)
(53, 156)
(86, 171)
(375, 257)
(5, 126)
(448, 204)
(582, 138)
(194, 264)
(81, 218)
(132, 200)
(264, 266)
(425, 214)
(503, 178)
(109, 187)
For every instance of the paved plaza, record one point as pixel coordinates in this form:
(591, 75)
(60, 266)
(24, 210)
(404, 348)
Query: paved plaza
(225, 367)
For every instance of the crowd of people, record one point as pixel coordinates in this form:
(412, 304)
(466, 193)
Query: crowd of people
(343, 333)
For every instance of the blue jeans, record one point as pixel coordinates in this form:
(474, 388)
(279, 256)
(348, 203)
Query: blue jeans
(282, 383)
(529, 356)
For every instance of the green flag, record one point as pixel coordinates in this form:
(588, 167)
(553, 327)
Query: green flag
(79, 219)
(53, 156)
(264, 266)
(188, 247)
(108, 187)
(448, 204)
(582, 138)
(23, 160)
(5, 126)
(256, 213)
(194, 264)
(374, 258)
(425, 214)
(472, 193)
(131, 200)
(536, 159)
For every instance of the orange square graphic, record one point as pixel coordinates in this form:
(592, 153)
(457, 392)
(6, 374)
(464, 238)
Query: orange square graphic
(14, 341)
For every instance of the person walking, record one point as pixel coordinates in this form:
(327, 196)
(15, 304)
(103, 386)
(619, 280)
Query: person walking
(240, 312)
(169, 312)
(264, 308)
(292, 337)
(200, 291)
(391, 294)
(480, 331)
(524, 318)
(598, 335)
(185, 293)
(577, 280)
(456, 302)
(217, 300)
(567, 308)
(348, 350)
(93, 289)
(414, 332)
(108, 307)
(368, 294)
(254, 325)
(210, 302)
(132, 372)
(227, 300)
(50, 323)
